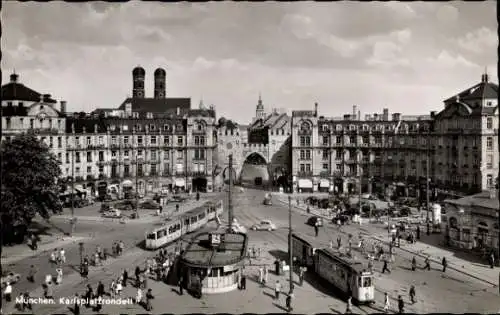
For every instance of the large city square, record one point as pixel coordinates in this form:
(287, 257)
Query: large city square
(287, 159)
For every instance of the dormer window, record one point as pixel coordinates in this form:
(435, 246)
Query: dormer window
(41, 107)
(305, 126)
(489, 103)
(151, 127)
(112, 127)
(166, 127)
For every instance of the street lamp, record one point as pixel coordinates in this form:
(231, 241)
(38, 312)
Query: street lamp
(290, 254)
(81, 249)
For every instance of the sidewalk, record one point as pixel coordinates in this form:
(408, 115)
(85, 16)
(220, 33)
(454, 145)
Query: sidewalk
(13, 254)
(435, 254)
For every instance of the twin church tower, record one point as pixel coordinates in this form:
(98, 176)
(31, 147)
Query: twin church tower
(139, 76)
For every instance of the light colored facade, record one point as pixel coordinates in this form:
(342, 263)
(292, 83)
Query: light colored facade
(472, 222)
(461, 140)
(27, 111)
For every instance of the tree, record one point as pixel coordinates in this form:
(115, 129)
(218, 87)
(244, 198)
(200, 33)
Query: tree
(29, 184)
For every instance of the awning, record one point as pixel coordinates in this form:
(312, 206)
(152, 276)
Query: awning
(305, 183)
(127, 183)
(325, 183)
(180, 182)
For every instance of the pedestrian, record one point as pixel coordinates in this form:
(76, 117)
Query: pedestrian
(59, 276)
(418, 232)
(53, 258)
(339, 242)
(348, 309)
(121, 247)
(180, 283)
(401, 304)
(444, 262)
(243, 282)
(76, 306)
(8, 292)
(62, 256)
(370, 265)
(492, 260)
(316, 229)
(100, 289)
(89, 295)
(137, 274)
(385, 267)
(387, 303)
(118, 288)
(331, 244)
(289, 301)
(98, 306)
(277, 290)
(125, 278)
(301, 275)
(261, 276)
(149, 297)
(31, 274)
(399, 240)
(112, 288)
(26, 301)
(413, 264)
(259, 251)
(138, 296)
(34, 242)
(427, 264)
(412, 294)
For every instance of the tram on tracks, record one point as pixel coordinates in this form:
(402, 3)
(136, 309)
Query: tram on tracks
(182, 224)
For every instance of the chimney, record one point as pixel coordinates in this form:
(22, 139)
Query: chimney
(13, 78)
(484, 78)
(359, 115)
(396, 116)
(433, 114)
(375, 117)
(316, 109)
(347, 117)
(178, 111)
(367, 117)
(354, 110)
(63, 107)
(45, 97)
(385, 114)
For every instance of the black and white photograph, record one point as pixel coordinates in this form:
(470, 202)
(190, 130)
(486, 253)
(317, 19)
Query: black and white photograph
(249, 157)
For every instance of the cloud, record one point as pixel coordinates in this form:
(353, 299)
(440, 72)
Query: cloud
(387, 54)
(446, 60)
(479, 40)
(447, 14)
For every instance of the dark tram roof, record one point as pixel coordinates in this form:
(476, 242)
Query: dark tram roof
(338, 256)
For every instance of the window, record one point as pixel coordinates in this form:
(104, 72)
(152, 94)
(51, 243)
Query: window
(302, 168)
(352, 139)
(325, 154)
(338, 139)
(179, 154)
(153, 169)
(139, 152)
(489, 161)
(126, 170)
(113, 139)
(166, 155)
(59, 157)
(489, 123)
(101, 156)
(139, 140)
(489, 143)
(77, 157)
(166, 168)
(166, 140)
(489, 181)
(199, 154)
(7, 122)
(126, 153)
(325, 166)
(305, 141)
(326, 140)
(308, 154)
(153, 140)
(153, 155)
(179, 140)
(338, 167)
(32, 123)
(302, 154)
(366, 139)
(89, 169)
(89, 141)
(113, 154)
(308, 167)
(77, 170)
(126, 140)
(338, 155)
(89, 156)
(77, 141)
(139, 169)
(51, 141)
(101, 140)
(67, 157)
(59, 142)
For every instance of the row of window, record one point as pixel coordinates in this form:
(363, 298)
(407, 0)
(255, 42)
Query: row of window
(50, 123)
(199, 154)
(127, 169)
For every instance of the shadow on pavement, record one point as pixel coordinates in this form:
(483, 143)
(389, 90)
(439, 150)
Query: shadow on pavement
(268, 294)
(284, 309)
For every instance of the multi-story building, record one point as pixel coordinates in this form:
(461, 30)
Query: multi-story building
(466, 139)
(461, 142)
(25, 110)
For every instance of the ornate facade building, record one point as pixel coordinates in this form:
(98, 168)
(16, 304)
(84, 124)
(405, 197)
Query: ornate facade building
(458, 147)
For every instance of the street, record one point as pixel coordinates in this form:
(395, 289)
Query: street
(435, 292)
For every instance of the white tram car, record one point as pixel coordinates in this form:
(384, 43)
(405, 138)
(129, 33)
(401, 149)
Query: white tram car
(182, 224)
(347, 275)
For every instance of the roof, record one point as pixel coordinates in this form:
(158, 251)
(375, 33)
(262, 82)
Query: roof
(300, 113)
(202, 112)
(156, 105)
(19, 92)
(482, 90)
(313, 241)
(357, 265)
(478, 200)
(14, 111)
(88, 123)
(200, 253)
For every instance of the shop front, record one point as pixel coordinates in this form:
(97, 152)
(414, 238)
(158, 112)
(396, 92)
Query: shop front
(324, 185)
(305, 185)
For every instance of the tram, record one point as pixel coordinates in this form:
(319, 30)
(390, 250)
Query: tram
(304, 249)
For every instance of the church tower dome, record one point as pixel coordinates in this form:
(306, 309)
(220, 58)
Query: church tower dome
(160, 82)
(138, 78)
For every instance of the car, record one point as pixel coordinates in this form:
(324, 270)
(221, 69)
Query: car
(128, 204)
(177, 198)
(10, 277)
(315, 220)
(112, 213)
(264, 225)
(149, 204)
(267, 201)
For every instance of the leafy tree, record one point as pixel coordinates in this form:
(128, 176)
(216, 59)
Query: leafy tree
(29, 183)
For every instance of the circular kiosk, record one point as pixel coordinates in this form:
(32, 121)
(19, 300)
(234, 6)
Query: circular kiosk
(212, 261)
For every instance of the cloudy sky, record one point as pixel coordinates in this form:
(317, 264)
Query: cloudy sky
(404, 56)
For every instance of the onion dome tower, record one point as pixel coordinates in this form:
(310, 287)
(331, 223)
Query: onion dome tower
(160, 78)
(138, 77)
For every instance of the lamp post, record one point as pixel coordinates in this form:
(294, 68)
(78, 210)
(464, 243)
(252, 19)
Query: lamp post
(81, 249)
(427, 179)
(290, 254)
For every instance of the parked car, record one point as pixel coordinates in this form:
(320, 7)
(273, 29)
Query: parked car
(128, 204)
(10, 277)
(177, 198)
(105, 207)
(149, 204)
(315, 220)
(312, 200)
(264, 225)
(405, 211)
